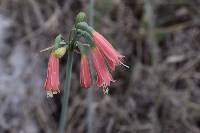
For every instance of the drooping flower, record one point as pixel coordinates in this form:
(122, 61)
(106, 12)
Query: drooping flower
(103, 75)
(85, 75)
(112, 56)
(52, 83)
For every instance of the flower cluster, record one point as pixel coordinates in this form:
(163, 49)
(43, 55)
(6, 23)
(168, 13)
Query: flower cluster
(104, 57)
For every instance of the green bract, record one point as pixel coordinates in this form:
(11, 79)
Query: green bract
(60, 52)
(58, 41)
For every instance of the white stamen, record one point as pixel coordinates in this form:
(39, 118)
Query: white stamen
(55, 92)
(49, 94)
(105, 90)
(125, 65)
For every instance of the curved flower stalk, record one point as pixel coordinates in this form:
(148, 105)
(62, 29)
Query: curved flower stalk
(52, 82)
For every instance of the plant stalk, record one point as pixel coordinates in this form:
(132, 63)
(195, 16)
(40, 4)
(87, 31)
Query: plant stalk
(65, 98)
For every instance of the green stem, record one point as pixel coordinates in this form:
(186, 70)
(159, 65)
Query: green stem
(65, 98)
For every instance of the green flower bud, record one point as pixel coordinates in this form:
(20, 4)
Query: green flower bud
(60, 52)
(57, 41)
(81, 17)
(85, 27)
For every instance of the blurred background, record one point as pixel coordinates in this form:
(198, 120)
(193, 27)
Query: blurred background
(159, 93)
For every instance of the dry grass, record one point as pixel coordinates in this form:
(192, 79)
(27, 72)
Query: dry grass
(160, 93)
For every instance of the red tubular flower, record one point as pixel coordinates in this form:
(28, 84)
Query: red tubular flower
(85, 76)
(103, 75)
(112, 56)
(52, 83)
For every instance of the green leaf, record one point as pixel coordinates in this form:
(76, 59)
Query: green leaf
(58, 41)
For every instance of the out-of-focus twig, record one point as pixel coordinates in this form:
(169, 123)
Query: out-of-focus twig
(153, 45)
(48, 23)
(90, 113)
(36, 9)
(46, 49)
(151, 38)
